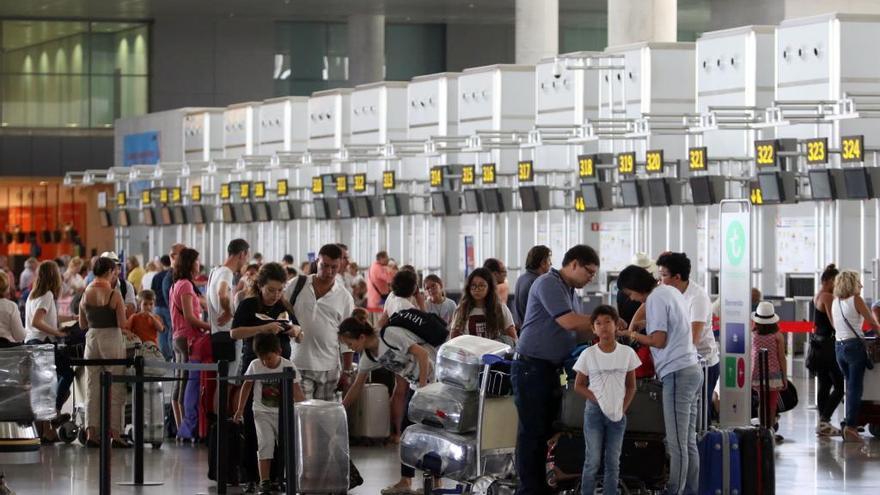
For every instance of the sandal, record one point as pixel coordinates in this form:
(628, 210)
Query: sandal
(119, 444)
(851, 435)
(396, 489)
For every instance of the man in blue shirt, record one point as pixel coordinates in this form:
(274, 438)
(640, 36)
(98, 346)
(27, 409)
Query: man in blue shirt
(549, 334)
(537, 264)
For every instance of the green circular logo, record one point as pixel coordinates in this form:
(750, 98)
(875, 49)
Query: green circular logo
(735, 243)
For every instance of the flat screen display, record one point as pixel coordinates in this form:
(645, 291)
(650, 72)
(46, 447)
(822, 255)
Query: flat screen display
(198, 214)
(821, 187)
(363, 207)
(492, 201)
(856, 180)
(261, 211)
(528, 196)
(246, 213)
(658, 192)
(632, 196)
(178, 214)
(122, 218)
(473, 201)
(771, 187)
(167, 217)
(149, 217)
(392, 205)
(346, 209)
(320, 208)
(284, 213)
(228, 213)
(105, 218)
(701, 190)
(592, 197)
(439, 205)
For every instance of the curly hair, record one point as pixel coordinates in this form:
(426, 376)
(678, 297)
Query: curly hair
(492, 306)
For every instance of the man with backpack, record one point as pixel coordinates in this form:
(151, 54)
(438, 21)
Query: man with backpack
(320, 303)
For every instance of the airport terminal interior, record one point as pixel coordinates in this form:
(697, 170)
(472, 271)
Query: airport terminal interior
(463, 246)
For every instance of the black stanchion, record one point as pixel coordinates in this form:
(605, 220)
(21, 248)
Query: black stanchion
(222, 399)
(105, 475)
(288, 422)
(137, 413)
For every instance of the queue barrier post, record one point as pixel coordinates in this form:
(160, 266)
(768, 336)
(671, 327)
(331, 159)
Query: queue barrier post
(288, 423)
(222, 399)
(105, 475)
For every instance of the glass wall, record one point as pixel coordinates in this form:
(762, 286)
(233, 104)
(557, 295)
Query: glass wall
(313, 56)
(72, 74)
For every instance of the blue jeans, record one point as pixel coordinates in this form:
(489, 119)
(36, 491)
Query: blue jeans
(537, 393)
(165, 338)
(851, 358)
(681, 406)
(601, 435)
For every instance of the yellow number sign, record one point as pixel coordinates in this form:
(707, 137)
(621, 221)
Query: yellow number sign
(282, 188)
(388, 180)
(626, 163)
(525, 171)
(654, 161)
(579, 204)
(697, 159)
(436, 176)
(259, 190)
(224, 191)
(488, 173)
(176, 195)
(817, 151)
(195, 194)
(467, 175)
(163, 195)
(757, 197)
(121, 199)
(146, 197)
(852, 148)
(360, 182)
(586, 166)
(342, 184)
(765, 153)
(317, 185)
(245, 191)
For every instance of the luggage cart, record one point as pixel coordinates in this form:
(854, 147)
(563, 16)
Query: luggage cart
(869, 412)
(75, 427)
(494, 472)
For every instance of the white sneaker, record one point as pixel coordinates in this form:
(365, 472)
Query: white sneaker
(826, 429)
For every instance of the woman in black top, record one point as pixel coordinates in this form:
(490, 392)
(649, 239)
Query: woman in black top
(821, 358)
(263, 311)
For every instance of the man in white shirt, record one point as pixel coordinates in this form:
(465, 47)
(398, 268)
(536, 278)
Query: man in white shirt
(319, 307)
(220, 307)
(675, 271)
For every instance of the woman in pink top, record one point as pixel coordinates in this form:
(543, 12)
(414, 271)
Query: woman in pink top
(186, 312)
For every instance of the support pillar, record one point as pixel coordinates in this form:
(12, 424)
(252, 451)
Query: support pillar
(366, 48)
(633, 21)
(537, 30)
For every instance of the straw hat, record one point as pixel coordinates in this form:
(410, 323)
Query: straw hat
(644, 261)
(765, 314)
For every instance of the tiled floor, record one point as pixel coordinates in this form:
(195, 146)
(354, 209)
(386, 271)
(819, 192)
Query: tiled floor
(804, 465)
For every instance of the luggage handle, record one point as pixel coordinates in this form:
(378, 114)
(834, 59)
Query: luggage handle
(764, 387)
(705, 397)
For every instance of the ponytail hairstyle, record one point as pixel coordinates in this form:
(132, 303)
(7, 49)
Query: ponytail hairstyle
(354, 327)
(830, 273)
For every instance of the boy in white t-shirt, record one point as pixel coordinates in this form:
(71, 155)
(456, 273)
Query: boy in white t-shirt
(267, 401)
(606, 378)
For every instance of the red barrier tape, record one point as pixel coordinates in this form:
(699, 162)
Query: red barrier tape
(796, 326)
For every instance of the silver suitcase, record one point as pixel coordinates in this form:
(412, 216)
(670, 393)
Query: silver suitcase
(460, 361)
(447, 407)
(322, 454)
(371, 417)
(154, 414)
(446, 454)
(27, 383)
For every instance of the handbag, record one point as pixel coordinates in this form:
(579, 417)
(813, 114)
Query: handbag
(869, 353)
(820, 353)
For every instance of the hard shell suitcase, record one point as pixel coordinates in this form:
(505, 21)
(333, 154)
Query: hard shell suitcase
(643, 459)
(645, 413)
(565, 460)
(27, 383)
(322, 453)
(757, 444)
(720, 463)
(234, 441)
(154, 414)
(444, 406)
(460, 361)
(571, 411)
(371, 416)
(442, 453)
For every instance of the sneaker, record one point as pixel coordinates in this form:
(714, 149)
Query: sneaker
(826, 429)
(250, 488)
(397, 489)
(267, 487)
(851, 435)
(778, 438)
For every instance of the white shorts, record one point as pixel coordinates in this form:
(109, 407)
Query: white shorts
(266, 424)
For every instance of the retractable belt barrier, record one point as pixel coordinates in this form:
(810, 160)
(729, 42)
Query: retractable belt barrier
(222, 368)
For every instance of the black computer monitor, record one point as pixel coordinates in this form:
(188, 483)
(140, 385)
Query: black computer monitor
(473, 201)
(439, 204)
(198, 214)
(534, 198)
(593, 198)
(320, 208)
(105, 218)
(392, 205)
(261, 212)
(772, 191)
(150, 217)
(702, 191)
(123, 218)
(166, 216)
(632, 194)
(346, 208)
(363, 206)
(228, 213)
(285, 212)
(858, 185)
(821, 186)
(492, 201)
(658, 192)
(178, 215)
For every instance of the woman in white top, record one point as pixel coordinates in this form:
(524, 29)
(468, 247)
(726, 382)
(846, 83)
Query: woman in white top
(152, 269)
(480, 312)
(73, 281)
(849, 312)
(11, 329)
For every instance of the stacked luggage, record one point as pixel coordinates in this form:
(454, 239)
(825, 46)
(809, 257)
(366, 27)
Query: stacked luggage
(446, 438)
(740, 460)
(27, 383)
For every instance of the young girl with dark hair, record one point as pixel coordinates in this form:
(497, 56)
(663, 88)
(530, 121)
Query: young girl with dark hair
(480, 312)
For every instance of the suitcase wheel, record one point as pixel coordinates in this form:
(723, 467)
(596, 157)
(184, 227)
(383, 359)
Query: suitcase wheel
(874, 428)
(68, 432)
(82, 436)
(156, 445)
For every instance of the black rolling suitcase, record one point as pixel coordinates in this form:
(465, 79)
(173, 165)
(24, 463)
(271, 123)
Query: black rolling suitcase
(757, 444)
(565, 461)
(233, 449)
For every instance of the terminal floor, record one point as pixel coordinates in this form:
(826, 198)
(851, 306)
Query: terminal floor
(805, 465)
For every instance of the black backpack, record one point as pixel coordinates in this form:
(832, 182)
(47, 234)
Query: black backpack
(427, 326)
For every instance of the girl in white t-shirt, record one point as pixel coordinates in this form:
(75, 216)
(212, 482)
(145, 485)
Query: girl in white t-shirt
(480, 312)
(606, 378)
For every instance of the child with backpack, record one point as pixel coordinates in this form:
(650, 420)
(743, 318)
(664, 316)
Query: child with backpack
(606, 378)
(398, 350)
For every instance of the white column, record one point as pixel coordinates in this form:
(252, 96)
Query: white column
(806, 8)
(366, 48)
(632, 21)
(537, 30)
